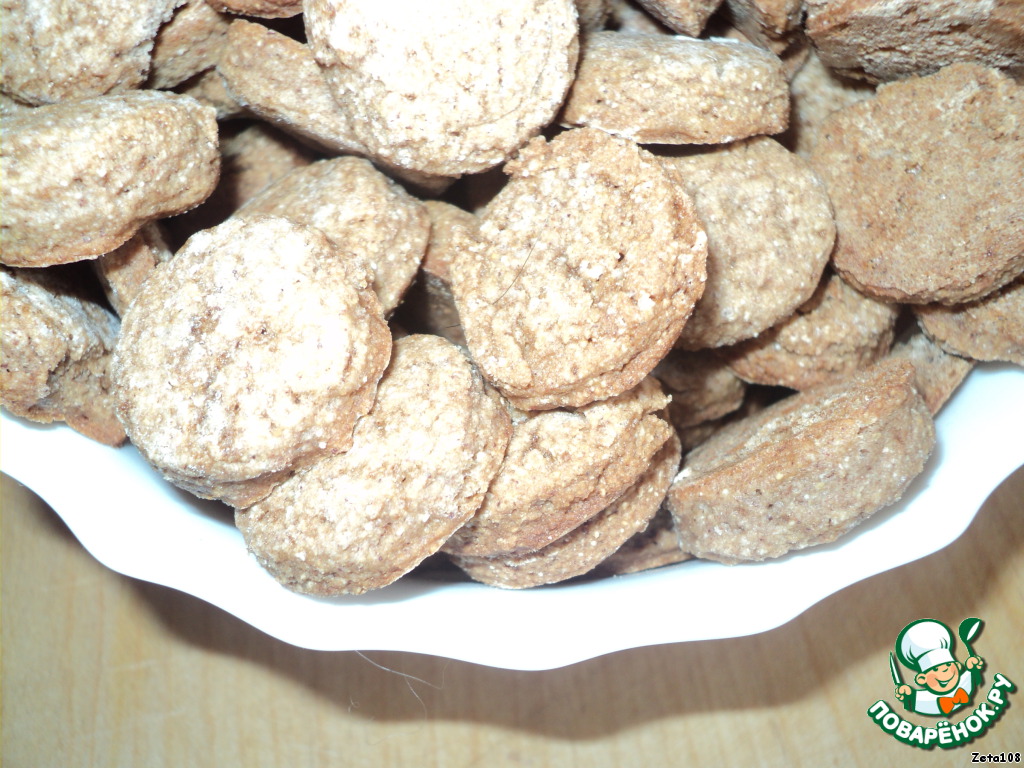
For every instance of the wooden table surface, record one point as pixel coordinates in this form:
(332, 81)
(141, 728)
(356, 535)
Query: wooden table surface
(102, 670)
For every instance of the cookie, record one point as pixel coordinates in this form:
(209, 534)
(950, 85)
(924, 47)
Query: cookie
(189, 43)
(585, 547)
(123, 271)
(264, 9)
(562, 468)
(249, 354)
(582, 273)
(364, 213)
(701, 386)
(447, 92)
(919, 177)
(61, 51)
(687, 17)
(837, 331)
(655, 546)
(937, 373)
(420, 463)
(661, 89)
(991, 328)
(56, 352)
(770, 233)
(882, 40)
(805, 470)
(772, 24)
(81, 177)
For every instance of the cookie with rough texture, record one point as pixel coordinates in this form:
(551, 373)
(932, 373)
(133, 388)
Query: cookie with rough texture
(264, 9)
(56, 50)
(937, 373)
(582, 273)
(592, 14)
(447, 91)
(278, 79)
(561, 469)
(585, 547)
(81, 177)
(837, 331)
(629, 16)
(921, 178)
(251, 353)
(701, 386)
(989, 329)
(189, 43)
(655, 546)
(687, 17)
(770, 233)
(123, 271)
(55, 357)
(662, 89)
(364, 213)
(420, 463)
(805, 470)
(883, 40)
(209, 90)
(772, 24)
(815, 93)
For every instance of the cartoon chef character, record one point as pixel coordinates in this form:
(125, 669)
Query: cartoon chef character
(926, 645)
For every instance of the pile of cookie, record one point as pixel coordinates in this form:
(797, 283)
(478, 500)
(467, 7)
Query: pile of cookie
(540, 288)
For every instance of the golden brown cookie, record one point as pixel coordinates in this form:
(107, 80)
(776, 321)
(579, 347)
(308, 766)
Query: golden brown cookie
(837, 331)
(772, 24)
(805, 470)
(920, 177)
(56, 350)
(991, 328)
(249, 354)
(561, 469)
(661, 89)
(420, 463)
(585, 547)
(451, 91)
(364, 213)
(585, 267)
(54, 50)
(701, 386)
(882, 40)
(189, 43)
(770, 233)
(937, 373)
(81, 177)
(123, 271)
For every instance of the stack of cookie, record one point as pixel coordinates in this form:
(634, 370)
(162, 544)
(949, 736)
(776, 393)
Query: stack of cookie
(536, 287)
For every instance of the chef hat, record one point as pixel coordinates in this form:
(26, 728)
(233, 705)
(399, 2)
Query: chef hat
(924, 644)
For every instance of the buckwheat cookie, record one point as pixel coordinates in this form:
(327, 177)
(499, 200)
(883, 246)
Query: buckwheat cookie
(770, 233)
(687, 17)
(991, 328)
(55, 50)
(123, 271)
(81, 177)
(209, 90)
(837, 331)
(701, 386)
(278, 79)
(420, 463)
(805, 470)
(447, 90)
(364, 213)
(663, 89)
(937, 373)
(883, 40)
(582, 273)
(585, 547)
(562, 468)
(922, 178)
(772, 24)
(189, 43)
(249, 354)
(56, 350)
(654, 546)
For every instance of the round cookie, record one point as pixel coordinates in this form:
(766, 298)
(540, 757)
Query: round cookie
(937, 373)
(123, 271)
(585, 547)
(420, 463)
(989, 329)
(833, 334)
(563, 467)
(363, 212)
(251, 353)
(805, 470)
(920, 178)
(701, 386)
(447, 91)
(770, 233)
(81, 177)
(581, 275)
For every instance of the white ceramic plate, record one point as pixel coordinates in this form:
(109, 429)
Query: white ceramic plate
(138, 525)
